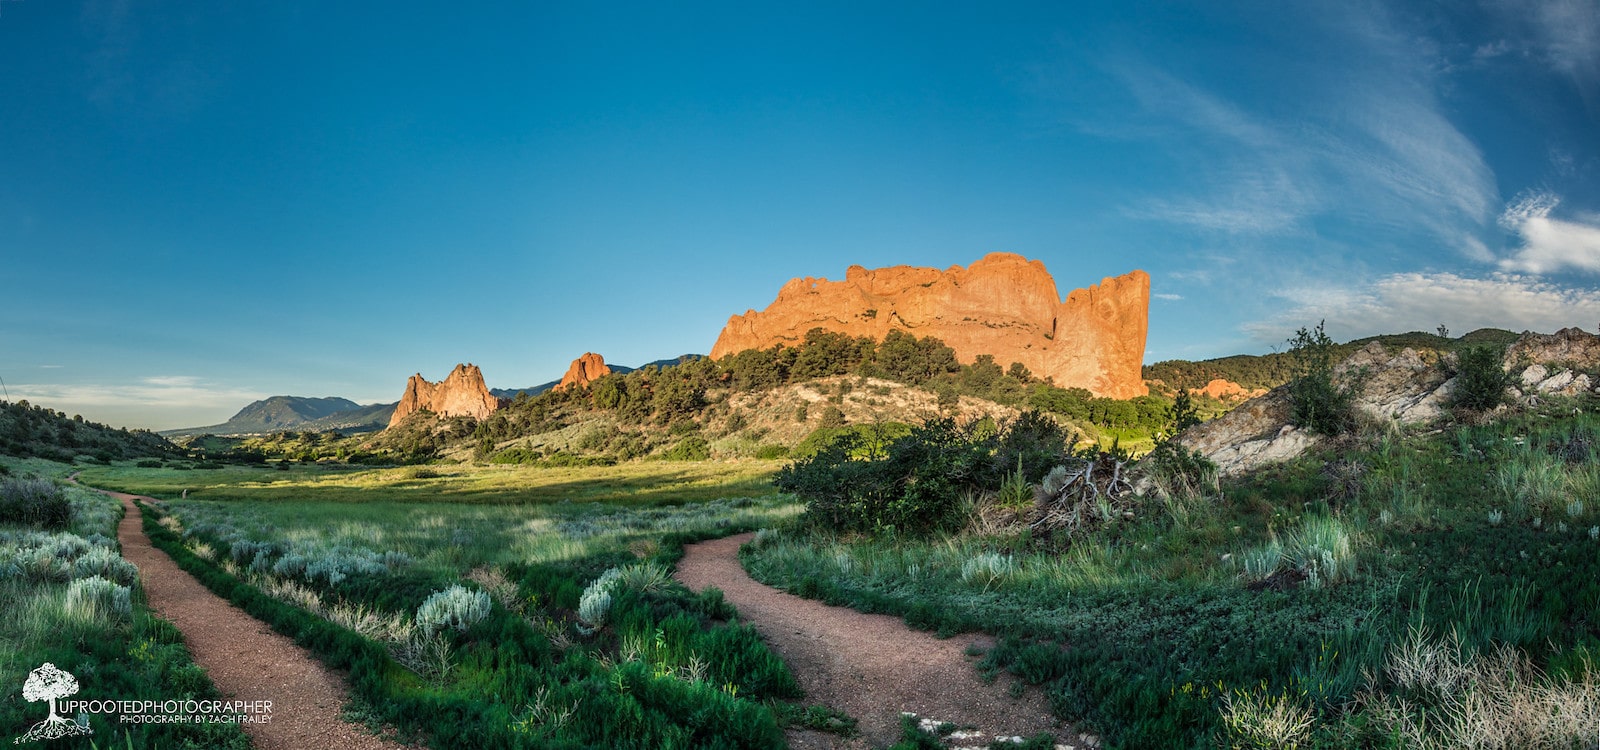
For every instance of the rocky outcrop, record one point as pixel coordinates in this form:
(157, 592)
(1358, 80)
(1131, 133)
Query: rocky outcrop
(1538, 380)
(1254, 434)
(584, 370)
(1400, 388)
(1003, 305)
(461, 394)
(1569, 348)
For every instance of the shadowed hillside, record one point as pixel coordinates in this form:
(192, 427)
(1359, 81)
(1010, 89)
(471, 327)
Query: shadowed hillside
(28, 430)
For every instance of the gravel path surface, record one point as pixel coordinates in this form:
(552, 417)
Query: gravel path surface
(243, 656)
(871, 667)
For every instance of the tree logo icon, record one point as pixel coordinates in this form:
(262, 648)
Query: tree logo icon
(47, 683)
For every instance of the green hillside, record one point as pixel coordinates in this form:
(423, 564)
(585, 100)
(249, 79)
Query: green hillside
(34, 431)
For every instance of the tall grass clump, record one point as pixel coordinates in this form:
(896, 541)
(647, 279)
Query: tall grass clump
(1535, 483)
(1182, 479)
(644, 576)
(1261, 720)
(987, 568)
(1322, 550)
(1434, 692)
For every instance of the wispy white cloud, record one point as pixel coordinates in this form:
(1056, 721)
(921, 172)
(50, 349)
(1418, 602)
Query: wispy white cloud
(159, 402)
(1491, 50)
(172, 381)
(173, 391)
(1564, 35)
(1169, 297)
(50, 367)
(1570, 33)
(1197, 275)
(1550, 244)
(1374, 146)
(1422, 301)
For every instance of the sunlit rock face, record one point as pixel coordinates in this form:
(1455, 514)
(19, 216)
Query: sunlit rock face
(1003, 305)
(461, 394)
(584, 370)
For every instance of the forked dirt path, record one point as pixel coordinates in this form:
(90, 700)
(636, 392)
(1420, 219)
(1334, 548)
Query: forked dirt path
(871, 667)
(243, 656)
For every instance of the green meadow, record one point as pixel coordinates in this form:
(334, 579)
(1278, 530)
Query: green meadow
(636, 483)
(479, 606)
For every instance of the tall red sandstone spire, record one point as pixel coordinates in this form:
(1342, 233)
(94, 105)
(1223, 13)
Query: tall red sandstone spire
(461, 393)
(1003, 305)
(584, 370)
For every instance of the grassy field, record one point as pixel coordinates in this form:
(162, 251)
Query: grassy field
(637, 483)
(1437, 589)
(498, 606)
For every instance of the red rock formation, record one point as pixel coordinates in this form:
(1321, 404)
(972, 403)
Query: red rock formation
(1003, 305)
(461, 394)
(584, 370)
(1227, 389)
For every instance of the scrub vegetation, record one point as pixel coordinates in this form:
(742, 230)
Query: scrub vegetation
(1399, 589)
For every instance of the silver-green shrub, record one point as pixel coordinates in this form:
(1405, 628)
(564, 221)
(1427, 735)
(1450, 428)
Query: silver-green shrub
(104, 563)
(595, 604)
(457, 607)
(88, 598)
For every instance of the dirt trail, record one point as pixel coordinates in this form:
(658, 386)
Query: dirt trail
(243, 656)
(871, 667)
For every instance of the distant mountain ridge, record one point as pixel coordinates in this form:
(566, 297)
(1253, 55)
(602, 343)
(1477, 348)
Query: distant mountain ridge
(303, 413)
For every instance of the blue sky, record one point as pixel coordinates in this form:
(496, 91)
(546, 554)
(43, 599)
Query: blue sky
(206, 203)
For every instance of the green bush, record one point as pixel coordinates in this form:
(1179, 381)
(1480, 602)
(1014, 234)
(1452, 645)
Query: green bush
(914, 483)
(34, 502)
(871, 439)
(692, 448)
(771, 451)
(1480, 381)
(1317, 404)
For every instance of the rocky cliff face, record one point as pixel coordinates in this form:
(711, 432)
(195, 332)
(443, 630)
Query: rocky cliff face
(461, 394)
(584, 370)
(1003, 305)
